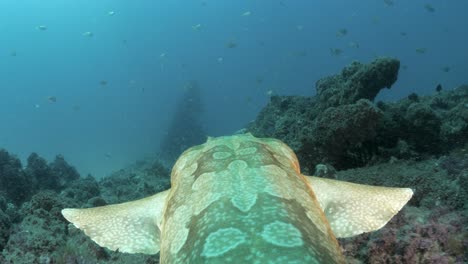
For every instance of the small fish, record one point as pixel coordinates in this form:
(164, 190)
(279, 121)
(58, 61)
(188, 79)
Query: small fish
(103, 83)
(13, 53)
(111, 13)
(220, 59)
(231, 44)
(52, 99)
(246, 13)
(439, 88)
(342, 32)
(162, 55)
(421, 50)
(445, 69)
(107, 155)
(336, 51)
(88, 34)
(270, 92)
(353, 44)
(389, 2)
(42, 28)
(196, 27)
(259, 80)
(429, 8)
(403, 33)
(37, 106)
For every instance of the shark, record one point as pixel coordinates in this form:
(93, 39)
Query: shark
(242, 199)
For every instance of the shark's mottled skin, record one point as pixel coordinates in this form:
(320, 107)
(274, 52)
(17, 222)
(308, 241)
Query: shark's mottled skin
(241, 199)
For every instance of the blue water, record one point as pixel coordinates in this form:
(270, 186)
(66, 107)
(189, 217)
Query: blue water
(148, 50)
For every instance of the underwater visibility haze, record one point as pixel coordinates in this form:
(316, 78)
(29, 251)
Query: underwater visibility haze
(100, 98)
(116, 68)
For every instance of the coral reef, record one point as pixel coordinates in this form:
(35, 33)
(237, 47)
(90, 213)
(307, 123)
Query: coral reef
(339, 125)
(37, 232)
(342, 127)
(63, 171)
(418, 142)
(53, 176)
(5, 225)
(83, 191)
(357, 81)
(40, 173)
(14, 183)
(41, 231)
(415, 235)
(289, 118)
(434, 181)
(143, 179)
(353, 126)
(429, 125)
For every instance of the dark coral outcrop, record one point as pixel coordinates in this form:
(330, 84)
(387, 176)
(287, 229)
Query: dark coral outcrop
(415, 235)
(357, 81)
(83, 191)
(64, 172)
(40, 173)
(434, 181)
(5, 224)
(41, 231)
(289, 118)
(338, 126)
(341, 126)
(143, 179)
(36, 232)
(345, 140)
(14, 183)
(431, 124)
(53, 176)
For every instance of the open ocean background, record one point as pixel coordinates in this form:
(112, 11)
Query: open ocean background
(117, 86)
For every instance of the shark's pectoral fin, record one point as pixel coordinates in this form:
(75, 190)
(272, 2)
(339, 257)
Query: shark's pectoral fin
(132, 227)
(353, 209)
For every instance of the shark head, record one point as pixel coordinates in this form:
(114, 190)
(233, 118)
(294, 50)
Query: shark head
(242, 199)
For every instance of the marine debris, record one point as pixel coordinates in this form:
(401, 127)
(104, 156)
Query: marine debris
(88, 34)
(52, 99)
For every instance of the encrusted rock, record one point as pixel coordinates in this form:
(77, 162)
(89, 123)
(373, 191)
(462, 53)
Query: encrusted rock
(357, 81)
